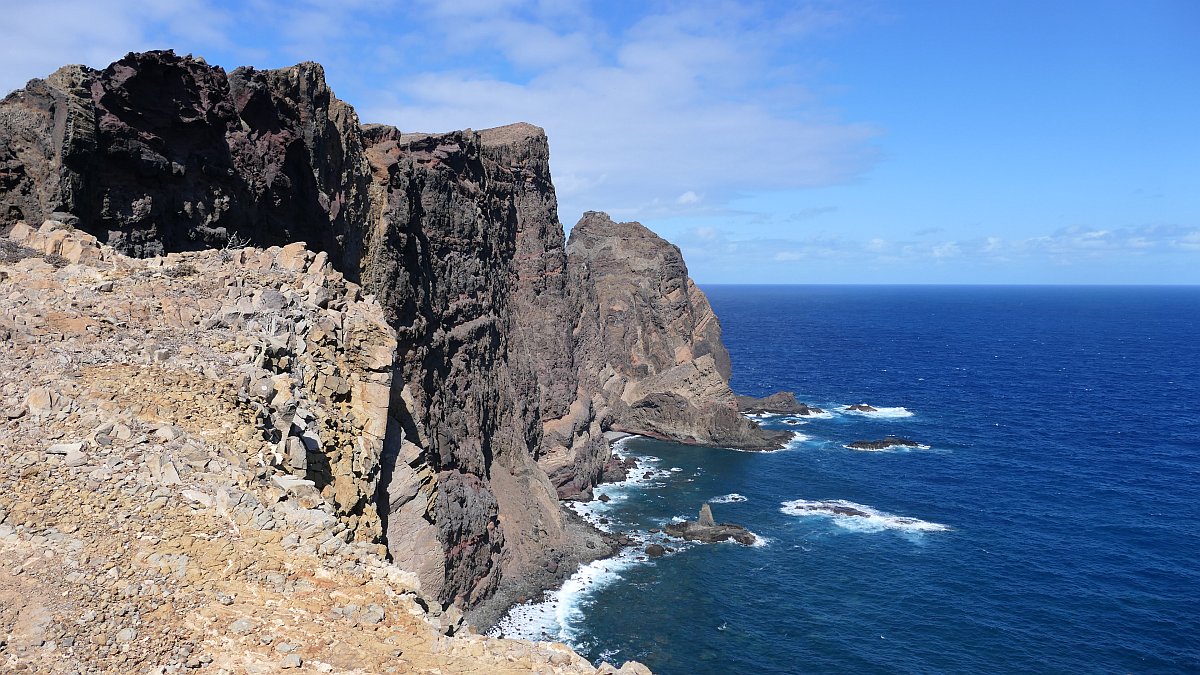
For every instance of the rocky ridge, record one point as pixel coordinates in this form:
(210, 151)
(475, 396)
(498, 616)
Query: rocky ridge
(188, 450)
(508, 366)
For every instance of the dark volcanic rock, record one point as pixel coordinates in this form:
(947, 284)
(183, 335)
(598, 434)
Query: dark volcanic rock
(656, 550)
(647, 340)
(160, 152)
(779, 403)
(708, 531)
(882, 444)
(862, 407)
(515, 353)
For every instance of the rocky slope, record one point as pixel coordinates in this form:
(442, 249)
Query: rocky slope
(509, 363)
(189, 447)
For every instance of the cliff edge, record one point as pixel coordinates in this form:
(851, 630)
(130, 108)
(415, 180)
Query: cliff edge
(513, 352)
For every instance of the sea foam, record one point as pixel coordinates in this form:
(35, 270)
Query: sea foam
(886, 413)
(727, 499)
(858, 517)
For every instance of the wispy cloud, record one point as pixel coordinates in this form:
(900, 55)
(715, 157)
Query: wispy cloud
(671, 110)
(714, 247)
(687, 101)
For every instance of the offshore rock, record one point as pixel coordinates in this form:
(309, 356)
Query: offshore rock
(648, 343)
(779, 403)
(708, 531)
(884, 444)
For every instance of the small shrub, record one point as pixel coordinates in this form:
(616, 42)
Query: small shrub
(11, 251)
(180, 270)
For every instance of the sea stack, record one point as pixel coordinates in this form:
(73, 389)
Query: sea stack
(708, 531)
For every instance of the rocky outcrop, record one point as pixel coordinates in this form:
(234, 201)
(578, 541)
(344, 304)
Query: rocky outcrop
(706, 530)
(779, 403)
(647, 341)
(455, 234)
(188, 450)
(514, 353)
(160, 153)
(884, 444)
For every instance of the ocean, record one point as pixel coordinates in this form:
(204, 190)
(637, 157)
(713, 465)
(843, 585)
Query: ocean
(1048, 522)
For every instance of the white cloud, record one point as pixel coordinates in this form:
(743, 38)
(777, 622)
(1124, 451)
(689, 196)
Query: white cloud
(685, 102)
(38, 38)
(948, 249)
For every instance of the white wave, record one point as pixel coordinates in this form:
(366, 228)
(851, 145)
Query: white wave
(887, 413)
(644, 474)
(857, 517)
(728, 499)
(675, 469)
(559, 612)
(889, 448)
(823, 415)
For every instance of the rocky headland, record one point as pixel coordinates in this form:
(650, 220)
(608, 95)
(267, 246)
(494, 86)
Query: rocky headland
(231, 304)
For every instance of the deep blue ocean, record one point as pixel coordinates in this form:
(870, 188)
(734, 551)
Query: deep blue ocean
(1051, 524)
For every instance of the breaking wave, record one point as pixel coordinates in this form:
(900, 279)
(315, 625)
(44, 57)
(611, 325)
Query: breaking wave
(887, 413)
(857, 517)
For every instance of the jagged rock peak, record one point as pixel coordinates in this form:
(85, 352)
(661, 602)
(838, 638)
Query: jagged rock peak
(598, 224)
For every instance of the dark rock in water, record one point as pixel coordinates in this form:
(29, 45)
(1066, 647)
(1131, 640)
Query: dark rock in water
(656, 551)
(708, 531)
(604, 498)
(862, 407)
(779, 403)
(889, 442)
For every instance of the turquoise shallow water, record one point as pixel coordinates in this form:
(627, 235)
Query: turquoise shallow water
(1050, 525)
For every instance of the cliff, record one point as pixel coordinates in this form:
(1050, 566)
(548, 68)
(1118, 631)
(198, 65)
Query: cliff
(189, 447)
(512, 352)
(648, 342)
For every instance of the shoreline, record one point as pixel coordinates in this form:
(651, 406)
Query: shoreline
(589, 544)
(546, 617)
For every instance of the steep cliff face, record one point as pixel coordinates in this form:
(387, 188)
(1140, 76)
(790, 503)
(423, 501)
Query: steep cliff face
(456, 234)
(468, 257)
(512, 357)
(647, 340)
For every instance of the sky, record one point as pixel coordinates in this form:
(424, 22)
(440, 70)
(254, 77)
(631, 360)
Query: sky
(974, 141)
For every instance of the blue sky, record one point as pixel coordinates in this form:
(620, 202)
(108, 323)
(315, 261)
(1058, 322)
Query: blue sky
(825, 142)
